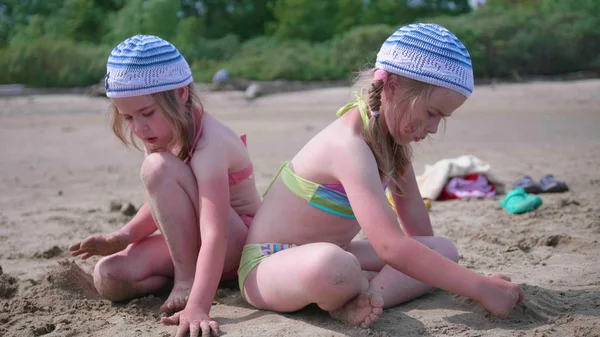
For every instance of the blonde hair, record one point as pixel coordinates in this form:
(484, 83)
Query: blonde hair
(181, 121)
(392, 158)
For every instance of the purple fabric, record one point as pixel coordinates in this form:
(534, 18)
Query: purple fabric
(470, 188)
(265, 249)
(335, 187)
(340, 187)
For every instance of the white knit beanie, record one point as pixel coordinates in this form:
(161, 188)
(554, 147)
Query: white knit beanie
(428, 53)
(143, 65)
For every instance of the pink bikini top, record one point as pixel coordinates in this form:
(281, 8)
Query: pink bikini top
(234, 177)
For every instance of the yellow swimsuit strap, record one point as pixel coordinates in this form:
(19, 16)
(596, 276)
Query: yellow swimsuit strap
(362, 108)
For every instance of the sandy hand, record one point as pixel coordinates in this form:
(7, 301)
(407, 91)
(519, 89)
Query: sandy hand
(100, 245)
(362, 311)
(177, 298)
(193, 320)
(500, 295)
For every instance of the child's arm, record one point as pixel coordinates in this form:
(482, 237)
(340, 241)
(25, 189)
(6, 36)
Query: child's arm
(213, 189)
(141, 226)
(358, 174)
(138, 228)
(410, 208)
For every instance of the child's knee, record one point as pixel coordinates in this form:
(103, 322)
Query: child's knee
(156, 168)
(335, 277)
(334, 268)
(104, 271)
(106, 267)
(109, 279)
(447, 248)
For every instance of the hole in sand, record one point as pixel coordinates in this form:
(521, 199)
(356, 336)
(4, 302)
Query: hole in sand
(8, 285)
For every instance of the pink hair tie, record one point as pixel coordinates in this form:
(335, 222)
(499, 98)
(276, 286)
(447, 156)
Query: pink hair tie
(381, 75)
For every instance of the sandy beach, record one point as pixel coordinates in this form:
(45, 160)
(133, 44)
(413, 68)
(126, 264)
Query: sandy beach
(61, 167)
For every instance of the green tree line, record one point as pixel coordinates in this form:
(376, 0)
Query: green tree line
(65, 43)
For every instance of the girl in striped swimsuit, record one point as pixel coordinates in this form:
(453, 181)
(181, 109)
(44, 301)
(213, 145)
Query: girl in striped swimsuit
(300, 249)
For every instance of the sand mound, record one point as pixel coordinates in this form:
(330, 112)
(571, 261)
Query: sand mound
(71, 278)
(62, 303)
(57, 291)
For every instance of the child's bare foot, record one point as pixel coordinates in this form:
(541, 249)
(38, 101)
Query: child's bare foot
(102, 245)
(177, 298)
(362, 311)
(500, 295)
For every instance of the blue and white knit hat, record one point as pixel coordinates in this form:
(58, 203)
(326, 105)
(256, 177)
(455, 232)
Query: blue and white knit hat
(428, 53)
(143, 65)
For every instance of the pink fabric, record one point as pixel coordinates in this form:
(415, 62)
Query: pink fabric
(471, 186)
(197, 134)
(381, 75)
(247, 220)
(234, 178)
(238, 177)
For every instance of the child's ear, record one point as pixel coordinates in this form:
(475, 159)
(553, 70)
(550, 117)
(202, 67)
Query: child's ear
(387, 92)
(389, 88)
(182, 94)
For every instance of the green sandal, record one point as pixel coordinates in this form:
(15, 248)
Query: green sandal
(517, 202)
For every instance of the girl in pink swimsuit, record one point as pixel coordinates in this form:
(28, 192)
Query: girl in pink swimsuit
(200, 191)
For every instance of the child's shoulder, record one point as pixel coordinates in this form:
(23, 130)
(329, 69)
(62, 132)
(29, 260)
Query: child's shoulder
(344, 140)
(220, 141)
(340, 146)
(216, 132)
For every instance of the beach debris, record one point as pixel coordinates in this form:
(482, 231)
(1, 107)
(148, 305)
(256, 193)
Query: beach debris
(115, 205)
(253, 91)
(49, 253)
(220, 78)
(124, 207)
(128, 209)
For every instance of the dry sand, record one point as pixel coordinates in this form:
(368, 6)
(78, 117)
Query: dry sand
(61, 167)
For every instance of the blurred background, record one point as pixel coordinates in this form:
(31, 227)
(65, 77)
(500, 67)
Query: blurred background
(65, 43)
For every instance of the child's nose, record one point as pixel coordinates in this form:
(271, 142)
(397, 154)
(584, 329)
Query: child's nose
(139, 126)
(433, 127)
